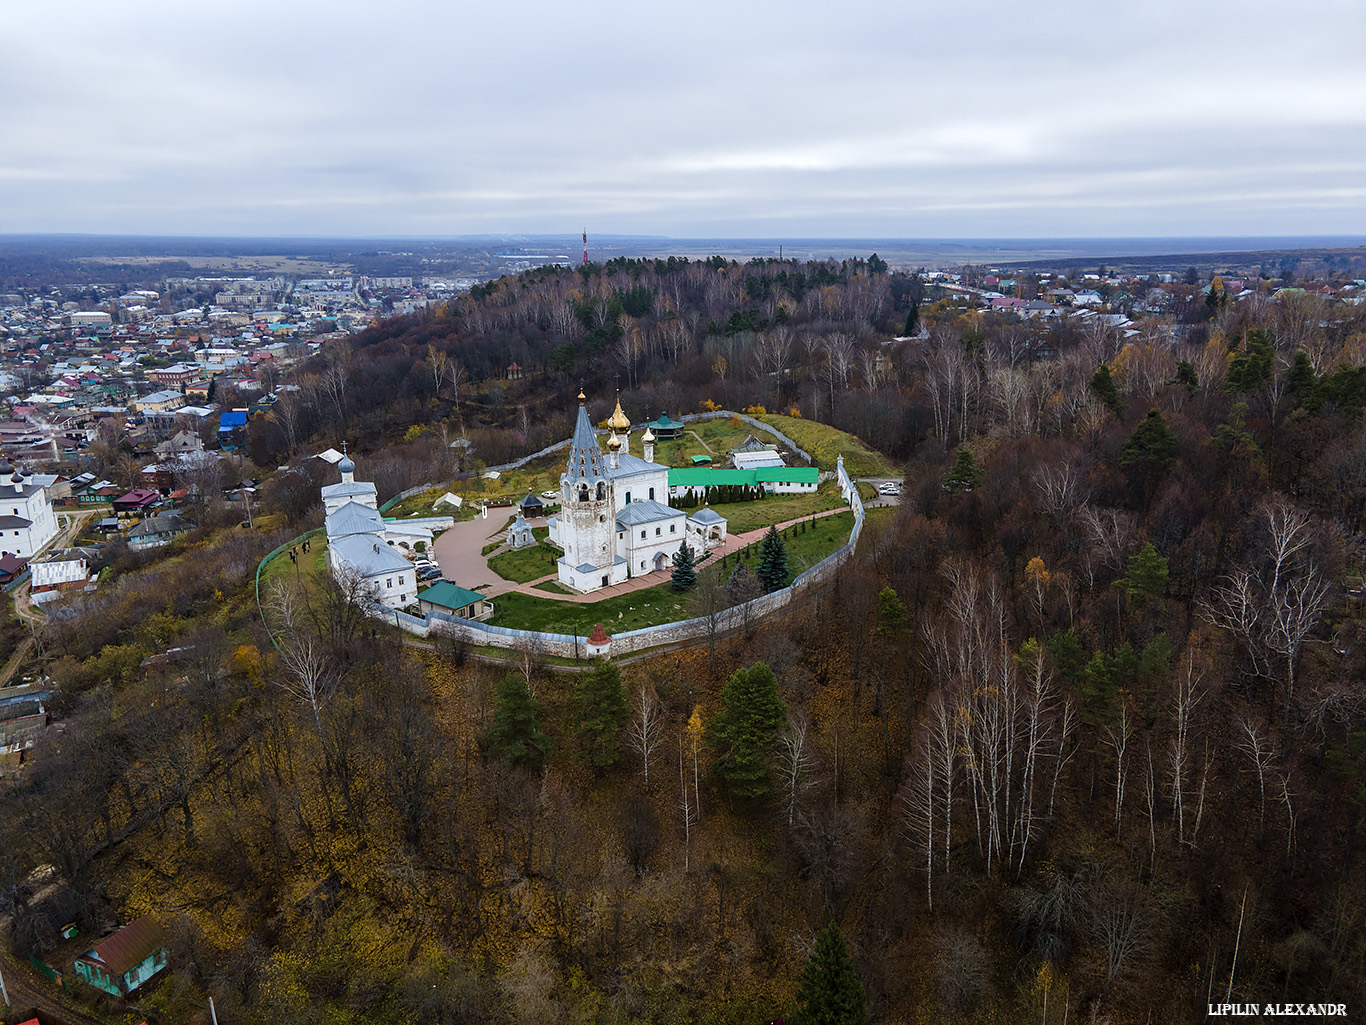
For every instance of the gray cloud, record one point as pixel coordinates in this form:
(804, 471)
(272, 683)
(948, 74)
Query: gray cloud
(989, 119)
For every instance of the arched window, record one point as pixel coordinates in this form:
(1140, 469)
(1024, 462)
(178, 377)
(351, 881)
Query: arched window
(628, 498)
(583, 492)
(602, 491)
(652, 494)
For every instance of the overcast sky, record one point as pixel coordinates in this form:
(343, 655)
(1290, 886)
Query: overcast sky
(705, 118)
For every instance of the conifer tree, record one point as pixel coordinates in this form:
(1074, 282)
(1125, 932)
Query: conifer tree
(684, 575)
(829, 991)
(1103, 385)
(965, 475)
(1147, 575)
(746, 727)
(772, 568)
(602, 705)
(516, 734)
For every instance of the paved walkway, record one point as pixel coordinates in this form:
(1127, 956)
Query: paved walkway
(459, 559)
(457, 552)
(701, 442)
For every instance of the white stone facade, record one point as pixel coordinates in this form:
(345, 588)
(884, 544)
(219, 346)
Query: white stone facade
(27, 522)
(614, 520)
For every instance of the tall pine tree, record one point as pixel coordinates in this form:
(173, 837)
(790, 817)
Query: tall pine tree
(829, 991)
(516, 734)
(746, 728)
(602, 705)
(772, 568)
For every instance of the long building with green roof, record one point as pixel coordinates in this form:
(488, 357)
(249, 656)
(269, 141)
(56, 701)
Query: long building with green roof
(781, 480)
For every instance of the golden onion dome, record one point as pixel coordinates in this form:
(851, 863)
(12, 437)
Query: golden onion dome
(617, 421)
(648, 437)
(614, 443)
(582, 396)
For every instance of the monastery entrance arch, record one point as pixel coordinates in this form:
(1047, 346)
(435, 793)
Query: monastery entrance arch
(661, 560)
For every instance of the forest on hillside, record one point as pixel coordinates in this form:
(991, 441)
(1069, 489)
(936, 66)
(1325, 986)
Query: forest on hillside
(1079, 735)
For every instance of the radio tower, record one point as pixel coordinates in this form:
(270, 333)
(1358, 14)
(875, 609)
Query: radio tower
(585, 247)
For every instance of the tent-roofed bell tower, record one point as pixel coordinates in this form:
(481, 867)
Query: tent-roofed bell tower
(587, 514)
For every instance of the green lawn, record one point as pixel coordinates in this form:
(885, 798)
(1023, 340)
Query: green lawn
(825, 443)
(525, 564)
(718, 434)
(311, 562)
(659, 604)
(744, 516)
(654, 605)
(806, 547)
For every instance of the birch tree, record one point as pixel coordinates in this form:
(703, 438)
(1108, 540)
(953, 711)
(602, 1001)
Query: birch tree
(1117, 737)
(303, 655)
(1188, 696)
(1255, 742)
(795, 762)
(644, 727)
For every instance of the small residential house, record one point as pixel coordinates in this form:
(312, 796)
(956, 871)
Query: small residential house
(232, 428)
(136, 502)
(120, 963)
(10, 567)
(65, 571)
(456, 601)
(155, 531)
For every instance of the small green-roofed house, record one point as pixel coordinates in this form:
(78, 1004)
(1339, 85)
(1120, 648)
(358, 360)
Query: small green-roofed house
(453, 600)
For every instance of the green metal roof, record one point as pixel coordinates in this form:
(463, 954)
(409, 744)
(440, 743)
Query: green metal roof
(787, 474)
(449, 595)
(710, 476)
(707, 476)
(701, 460)
(666, 423)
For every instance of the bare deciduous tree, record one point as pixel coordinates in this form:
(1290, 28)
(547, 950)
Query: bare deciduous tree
(1121, 919)
(308, 671)
(1188, 695)
(1117, 737)
(644, 727)
(796, 762)
(1254, 740)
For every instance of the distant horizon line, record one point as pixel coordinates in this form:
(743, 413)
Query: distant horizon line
(575, 236)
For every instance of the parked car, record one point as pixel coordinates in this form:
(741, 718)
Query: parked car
(889, 488)
(428, 573)
(550, 494)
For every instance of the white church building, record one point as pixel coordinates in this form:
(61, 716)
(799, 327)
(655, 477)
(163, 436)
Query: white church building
(615, 521)
(361, 541)
(27, 522)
